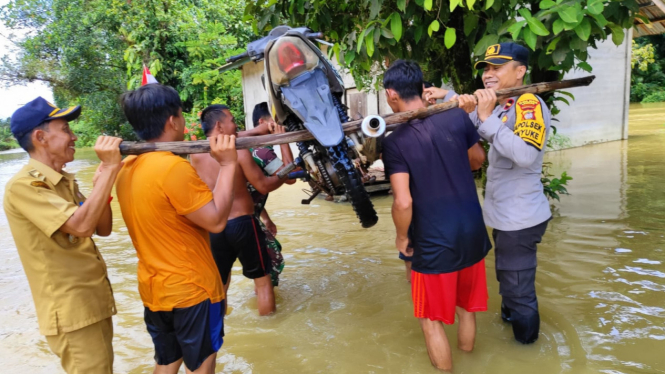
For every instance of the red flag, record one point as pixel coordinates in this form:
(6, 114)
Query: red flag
(147, 77)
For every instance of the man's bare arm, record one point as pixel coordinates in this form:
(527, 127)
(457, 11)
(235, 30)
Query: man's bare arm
(206, 167)
(214, 215)
(402, 210)
(287, 155)
(270, 225)
(255, 175)
(84, 221)
(105, 224)
(476, 156)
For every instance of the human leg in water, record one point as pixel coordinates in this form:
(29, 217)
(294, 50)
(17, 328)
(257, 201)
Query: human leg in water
(519, 303)
(226, 293)
(265, 295)
(466, 331)
(516, 261)
(438, 347)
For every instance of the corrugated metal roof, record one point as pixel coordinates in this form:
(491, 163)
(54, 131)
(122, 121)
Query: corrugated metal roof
(654, 10)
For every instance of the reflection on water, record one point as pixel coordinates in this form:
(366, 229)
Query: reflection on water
(344, 306)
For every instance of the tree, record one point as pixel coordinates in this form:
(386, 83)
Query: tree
(6, 138)
(91, 51)
(185, 43)
(648, 77)
(642, 56)
(446, 37)
(66, 44)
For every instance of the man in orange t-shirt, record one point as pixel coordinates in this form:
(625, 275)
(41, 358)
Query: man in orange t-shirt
(169, 211)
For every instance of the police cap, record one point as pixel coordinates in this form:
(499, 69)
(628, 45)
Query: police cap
(499, 54)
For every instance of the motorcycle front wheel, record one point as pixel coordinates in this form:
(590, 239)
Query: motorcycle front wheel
(353, 185)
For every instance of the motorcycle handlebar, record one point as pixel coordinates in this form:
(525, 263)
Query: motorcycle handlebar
(314, 35)
(237, 57)
(309, 35)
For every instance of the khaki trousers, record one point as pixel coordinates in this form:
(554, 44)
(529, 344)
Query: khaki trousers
(87, 350)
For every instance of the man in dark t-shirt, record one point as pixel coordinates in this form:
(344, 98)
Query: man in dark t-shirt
(429, 163)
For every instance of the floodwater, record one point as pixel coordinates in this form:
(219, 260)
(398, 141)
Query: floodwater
(344, 304)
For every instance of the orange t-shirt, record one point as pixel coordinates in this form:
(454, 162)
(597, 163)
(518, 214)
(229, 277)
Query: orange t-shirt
(176, 268)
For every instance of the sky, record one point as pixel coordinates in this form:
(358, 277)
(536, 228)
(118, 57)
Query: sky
(13, 97)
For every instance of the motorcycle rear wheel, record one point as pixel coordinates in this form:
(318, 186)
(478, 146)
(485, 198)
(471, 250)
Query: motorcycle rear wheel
(353, 184)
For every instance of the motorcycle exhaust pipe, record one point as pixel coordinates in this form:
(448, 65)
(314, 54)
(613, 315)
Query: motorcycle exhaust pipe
(373, 126)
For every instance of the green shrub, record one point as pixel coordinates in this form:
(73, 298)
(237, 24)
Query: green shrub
(655, 97)
(7, 140)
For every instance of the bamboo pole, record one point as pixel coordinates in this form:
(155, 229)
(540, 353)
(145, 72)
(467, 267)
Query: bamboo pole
(392, 121)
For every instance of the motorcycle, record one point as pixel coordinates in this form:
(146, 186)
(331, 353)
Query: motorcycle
(305, 93)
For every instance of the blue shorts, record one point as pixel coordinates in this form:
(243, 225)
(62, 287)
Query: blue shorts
(408, 258)
(192, 333)
(405, 258)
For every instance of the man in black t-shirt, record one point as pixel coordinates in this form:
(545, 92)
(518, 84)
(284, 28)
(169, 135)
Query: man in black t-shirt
(429, 163)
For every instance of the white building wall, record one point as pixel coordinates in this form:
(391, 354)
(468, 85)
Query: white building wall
(252, 89)
(600, 111)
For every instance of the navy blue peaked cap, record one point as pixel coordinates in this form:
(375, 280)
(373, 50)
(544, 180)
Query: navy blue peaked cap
(37, 112)
(499, 54)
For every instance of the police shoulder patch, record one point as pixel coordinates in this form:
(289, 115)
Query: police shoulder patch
(40, 184)
(529, 123)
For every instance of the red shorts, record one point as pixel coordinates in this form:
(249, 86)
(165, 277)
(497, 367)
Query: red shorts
(435, 296)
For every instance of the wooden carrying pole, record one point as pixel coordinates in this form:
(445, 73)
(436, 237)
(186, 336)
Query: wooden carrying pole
(392, 121)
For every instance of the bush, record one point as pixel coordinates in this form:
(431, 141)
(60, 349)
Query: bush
(655, 97)
(648, 73)
(7, 140)
(640, 90)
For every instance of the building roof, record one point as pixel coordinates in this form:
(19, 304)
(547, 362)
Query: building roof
(654, 11)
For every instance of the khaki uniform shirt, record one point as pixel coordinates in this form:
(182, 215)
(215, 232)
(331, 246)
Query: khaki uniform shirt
(67, 274)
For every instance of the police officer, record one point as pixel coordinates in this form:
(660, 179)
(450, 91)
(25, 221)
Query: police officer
(515, 205)
(52, 224)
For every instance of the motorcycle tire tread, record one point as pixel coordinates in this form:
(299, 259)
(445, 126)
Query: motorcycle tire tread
(355, 188)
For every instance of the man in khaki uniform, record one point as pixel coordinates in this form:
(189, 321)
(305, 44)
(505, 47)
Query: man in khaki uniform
(52, 224)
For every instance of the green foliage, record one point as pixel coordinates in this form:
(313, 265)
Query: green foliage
(648, 74)
(91, 51)
(67, 45)
(655, 97)
(446, 37)
(193, 130)
(554, 187)
(557, 141)
(186, 43)
(642, 56)
(7, 140)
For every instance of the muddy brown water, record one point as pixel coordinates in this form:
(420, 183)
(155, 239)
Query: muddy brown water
(344, 305)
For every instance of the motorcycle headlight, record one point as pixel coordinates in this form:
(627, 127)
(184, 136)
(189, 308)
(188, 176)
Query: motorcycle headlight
(289, 57)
